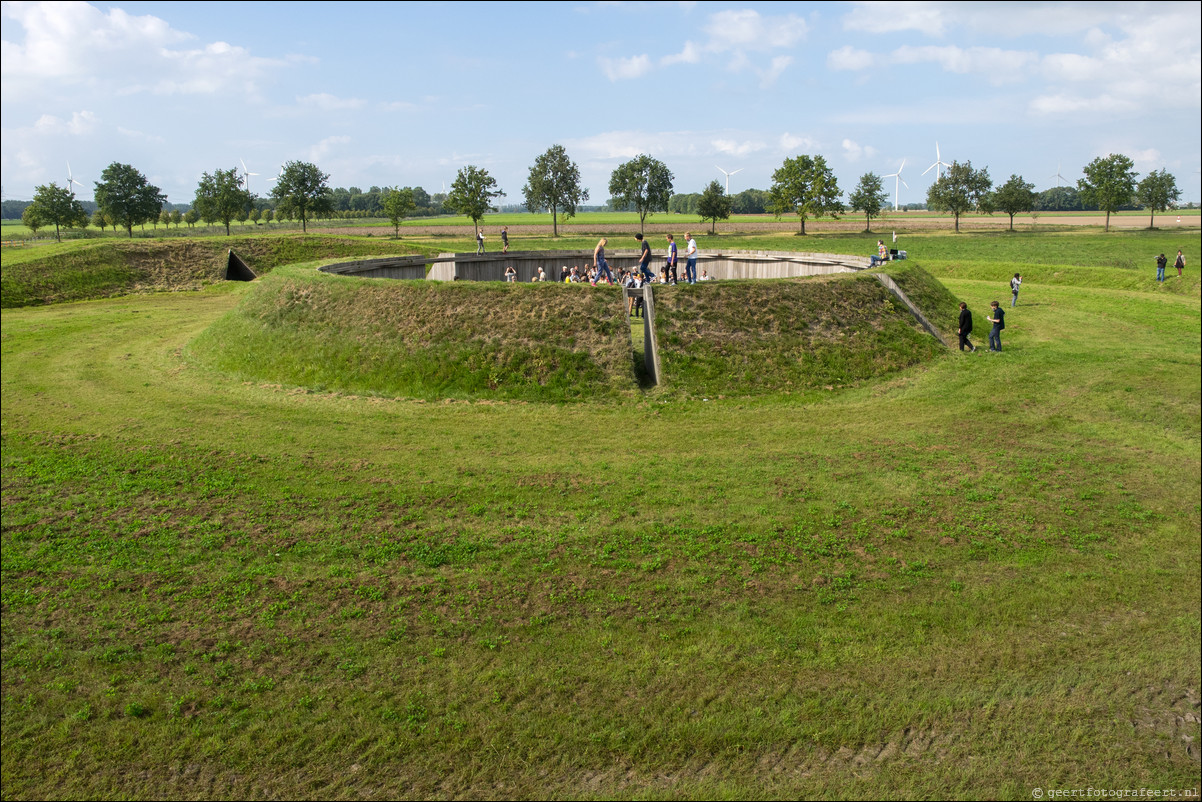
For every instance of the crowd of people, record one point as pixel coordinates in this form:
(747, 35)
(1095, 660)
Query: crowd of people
(599, 271)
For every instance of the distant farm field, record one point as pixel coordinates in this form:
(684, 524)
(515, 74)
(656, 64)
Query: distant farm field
(973, 576)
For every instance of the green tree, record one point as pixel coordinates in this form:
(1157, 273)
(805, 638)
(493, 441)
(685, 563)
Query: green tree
(99, 220)
(221, 197)
(177, 217)
(714, 205)
(398, 204)
(127, 198)
(472, 193)
(644, 183)
(869, 197)
(31, 219)
(554, 184)
(805, 186)
(302, 191)
(191, 217)
(961, 189)
(55, 205)
(750, 201)
(1015, 196)
(1158, 192)
(268, 215)
(1109, 183)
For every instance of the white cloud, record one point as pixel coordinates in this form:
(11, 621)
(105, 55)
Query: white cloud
(733, 33)
(1062, 104)
(894, 17)
(141, 136)
(113, 52)
(327, 146)
(850, 58)
(618, 69)
(779, 65)
(996, 63)
(327, 102)
(81, 123)
(791, 142)
(853, 151)
(689, 54)
(732, 148)
(747, 30)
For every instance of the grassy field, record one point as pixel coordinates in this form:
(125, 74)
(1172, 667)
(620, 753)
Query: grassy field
(973, 578)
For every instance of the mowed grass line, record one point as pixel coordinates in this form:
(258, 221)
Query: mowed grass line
(972, 579)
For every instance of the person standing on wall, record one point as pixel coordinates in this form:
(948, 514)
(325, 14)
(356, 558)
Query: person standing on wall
(690, 253)
(600, 263)
(999, 322)
(1015, 283)
(965, 328)
(644, 258)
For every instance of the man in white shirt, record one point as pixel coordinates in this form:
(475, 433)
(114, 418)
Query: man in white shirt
(690, 268)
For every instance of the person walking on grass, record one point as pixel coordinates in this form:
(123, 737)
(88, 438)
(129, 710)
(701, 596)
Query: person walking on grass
(670, 267)
(999, 322)
(504, 239)
(1162, 262)
(644, 258)
(479, 242)
(690, 253)
(1180, 263)
(601, 264)
(1015, 283)
(965, 328)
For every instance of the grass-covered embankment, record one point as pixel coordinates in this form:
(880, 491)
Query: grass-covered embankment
(972, 580)
(426, 339)
(740, 337)
(75, 271)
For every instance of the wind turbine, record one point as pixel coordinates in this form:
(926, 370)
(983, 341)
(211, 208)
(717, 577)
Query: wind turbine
(728, 175)
(1058, 176)
(247, 174)
(897, 178)
(276, 177)
(71, 180)
(937, 166)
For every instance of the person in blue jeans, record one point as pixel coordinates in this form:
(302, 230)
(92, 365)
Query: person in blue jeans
(600, 263)
(644, 258)
(1015, 283)
(998, 320)
(690, 252)
(1162, 262)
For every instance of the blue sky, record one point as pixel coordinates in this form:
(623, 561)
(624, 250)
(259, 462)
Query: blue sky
(407, 93)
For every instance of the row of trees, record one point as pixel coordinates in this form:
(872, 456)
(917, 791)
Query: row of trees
(804, 186)
(1109, 185)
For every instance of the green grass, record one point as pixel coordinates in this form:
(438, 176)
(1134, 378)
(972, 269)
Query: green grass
(793, 335)
(548, 342)
(98, 269)
(973, 578)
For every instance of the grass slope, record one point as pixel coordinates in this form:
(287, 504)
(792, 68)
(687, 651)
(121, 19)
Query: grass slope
(419, 339)
(739, 337)
(81, 270)
(980, 577)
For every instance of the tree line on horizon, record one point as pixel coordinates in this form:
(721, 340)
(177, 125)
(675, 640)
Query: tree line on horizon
(804, 186)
